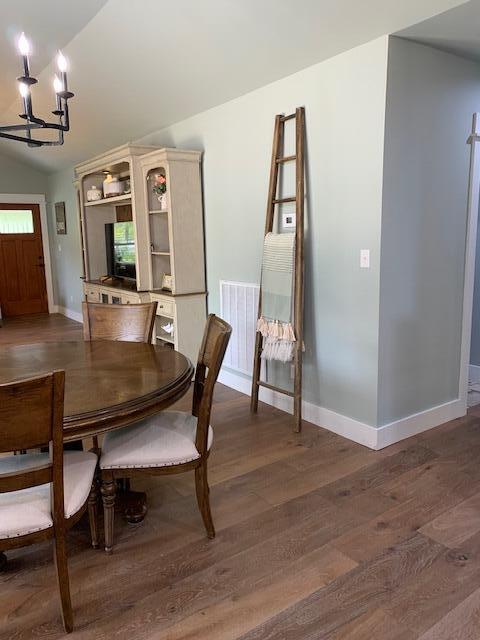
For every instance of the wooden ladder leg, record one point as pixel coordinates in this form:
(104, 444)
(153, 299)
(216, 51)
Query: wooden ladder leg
(299, 262)
(278, 134)
(297, 399)
(256, 373)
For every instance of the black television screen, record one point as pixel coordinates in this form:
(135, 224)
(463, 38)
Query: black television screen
(120, 245)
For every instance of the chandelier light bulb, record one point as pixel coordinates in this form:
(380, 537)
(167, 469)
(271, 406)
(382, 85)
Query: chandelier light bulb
(57, 84)
(61, 62)
(23, 88)
(23, 45)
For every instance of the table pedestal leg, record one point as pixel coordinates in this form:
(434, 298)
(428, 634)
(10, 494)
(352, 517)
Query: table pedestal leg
(133, 504)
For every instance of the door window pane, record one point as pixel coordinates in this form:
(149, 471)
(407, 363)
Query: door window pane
(16, 221)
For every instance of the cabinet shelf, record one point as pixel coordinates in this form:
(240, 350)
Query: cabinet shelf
(160, 253)
(97, 203)
(153, 211)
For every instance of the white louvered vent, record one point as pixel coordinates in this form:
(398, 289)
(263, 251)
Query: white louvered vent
(239, 306)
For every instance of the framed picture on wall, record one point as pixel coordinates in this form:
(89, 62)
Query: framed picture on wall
(60, 218)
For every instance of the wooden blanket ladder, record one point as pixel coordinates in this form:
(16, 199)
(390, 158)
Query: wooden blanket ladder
(278, 160)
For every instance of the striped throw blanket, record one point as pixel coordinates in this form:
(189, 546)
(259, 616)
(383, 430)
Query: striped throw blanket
(275, 322)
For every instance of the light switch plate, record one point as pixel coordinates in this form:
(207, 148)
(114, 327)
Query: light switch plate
(365, 258)
(289, 220)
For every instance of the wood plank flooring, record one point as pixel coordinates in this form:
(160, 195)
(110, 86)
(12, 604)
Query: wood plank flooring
(317, 538)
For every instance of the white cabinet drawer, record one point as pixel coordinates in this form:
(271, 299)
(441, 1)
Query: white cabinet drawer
(165, 308)
(129, 299)
(92, 295)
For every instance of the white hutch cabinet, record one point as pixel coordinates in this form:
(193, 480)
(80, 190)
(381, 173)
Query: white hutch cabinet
(168, 237)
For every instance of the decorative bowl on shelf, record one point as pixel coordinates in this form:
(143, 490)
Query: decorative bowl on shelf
(94, 194)
(112, 186)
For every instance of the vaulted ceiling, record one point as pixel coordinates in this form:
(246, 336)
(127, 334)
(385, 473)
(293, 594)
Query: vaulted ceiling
(457, 31)
(140, 65)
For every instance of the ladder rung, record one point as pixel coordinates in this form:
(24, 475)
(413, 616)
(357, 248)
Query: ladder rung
(272, 387)
(290, 117)
(282, 200)
(285, 159)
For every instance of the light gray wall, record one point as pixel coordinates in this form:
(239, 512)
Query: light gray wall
(475, 344)
(377, 349)
(18, 177)
(65, 250)
(345, 103)
(431, 97)
(344, 99)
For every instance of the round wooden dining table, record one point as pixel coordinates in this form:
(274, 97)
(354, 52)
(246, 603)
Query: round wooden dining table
(107, 384)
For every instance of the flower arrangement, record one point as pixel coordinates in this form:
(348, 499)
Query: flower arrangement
(160, 184)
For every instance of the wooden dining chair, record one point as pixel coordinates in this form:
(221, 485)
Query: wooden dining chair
(171, 441)
(124, 322)
(42, 495)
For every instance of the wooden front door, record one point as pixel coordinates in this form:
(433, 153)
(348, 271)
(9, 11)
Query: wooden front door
(22, 268)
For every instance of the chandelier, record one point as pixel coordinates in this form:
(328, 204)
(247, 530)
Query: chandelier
(31, 122)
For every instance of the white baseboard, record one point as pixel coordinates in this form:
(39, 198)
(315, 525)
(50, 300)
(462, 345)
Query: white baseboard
(419, 422)
(73, 315)
(474, 373)
(336, 422)
(365, 434)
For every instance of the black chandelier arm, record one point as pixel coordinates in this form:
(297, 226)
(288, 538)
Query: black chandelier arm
(31, 122)
(18, 127)
(33, 142)
(34, 123)
(31, 119)
(65, 116)
(30, 141)
(64, 97)
(29, 126)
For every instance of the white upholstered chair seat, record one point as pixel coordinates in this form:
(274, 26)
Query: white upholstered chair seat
(29, 510)
(165, 439)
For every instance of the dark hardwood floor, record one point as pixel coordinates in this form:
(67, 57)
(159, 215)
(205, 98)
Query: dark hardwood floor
(39, 328)
(317, 538)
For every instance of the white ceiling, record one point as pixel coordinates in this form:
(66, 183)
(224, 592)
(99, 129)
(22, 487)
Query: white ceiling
(457, 31)
(138, 66)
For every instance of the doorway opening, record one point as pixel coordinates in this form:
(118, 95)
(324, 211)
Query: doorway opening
(468, 383)
(23, 288)
(473, 389)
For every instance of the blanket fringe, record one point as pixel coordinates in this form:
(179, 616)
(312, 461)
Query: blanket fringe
(279, 338)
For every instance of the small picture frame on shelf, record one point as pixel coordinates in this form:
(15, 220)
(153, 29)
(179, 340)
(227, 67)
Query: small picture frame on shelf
(60, 218)
(167, 282)
(126, 185)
